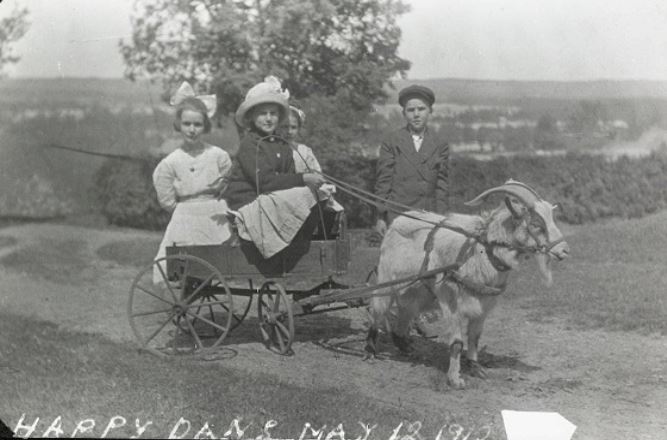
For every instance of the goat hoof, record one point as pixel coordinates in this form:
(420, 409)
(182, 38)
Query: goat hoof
(476, 370)
(456, 382)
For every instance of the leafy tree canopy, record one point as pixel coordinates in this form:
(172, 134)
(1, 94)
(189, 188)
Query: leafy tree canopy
(12, 28)
(342, 49)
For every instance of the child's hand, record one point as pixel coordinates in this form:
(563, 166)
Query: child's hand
(218, 187)
(314, 180)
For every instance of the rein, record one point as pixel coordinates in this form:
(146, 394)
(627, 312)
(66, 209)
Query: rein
(399, 208)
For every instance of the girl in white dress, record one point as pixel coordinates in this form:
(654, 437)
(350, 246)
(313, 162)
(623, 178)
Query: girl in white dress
(304, 158)
(189, 181)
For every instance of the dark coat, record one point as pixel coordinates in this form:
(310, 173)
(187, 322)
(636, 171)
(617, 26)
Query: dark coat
(267, 162)
(416, 179)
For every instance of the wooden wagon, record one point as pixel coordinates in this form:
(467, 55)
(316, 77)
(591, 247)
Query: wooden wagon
(193, 308)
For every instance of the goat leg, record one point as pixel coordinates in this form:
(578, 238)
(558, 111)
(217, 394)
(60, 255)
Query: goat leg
(371, 343)
(474, 368)
(454, 372)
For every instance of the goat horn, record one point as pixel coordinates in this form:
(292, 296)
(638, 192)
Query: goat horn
(512, 187)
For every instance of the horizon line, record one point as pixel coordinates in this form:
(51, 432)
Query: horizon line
(446, 78)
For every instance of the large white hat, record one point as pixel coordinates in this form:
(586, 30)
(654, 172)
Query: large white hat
(268, 92)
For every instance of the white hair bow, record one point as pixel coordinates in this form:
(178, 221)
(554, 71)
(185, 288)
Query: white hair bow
(300, 113)
(186, 91)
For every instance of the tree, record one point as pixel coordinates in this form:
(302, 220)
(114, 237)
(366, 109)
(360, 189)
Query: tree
(344, 49)
(546, 135)
(12, 28)
(586, 116)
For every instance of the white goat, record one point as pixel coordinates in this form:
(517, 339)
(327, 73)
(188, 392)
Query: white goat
(485, 249)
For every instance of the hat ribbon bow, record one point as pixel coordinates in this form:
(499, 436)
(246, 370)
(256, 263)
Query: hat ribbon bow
(186, 91)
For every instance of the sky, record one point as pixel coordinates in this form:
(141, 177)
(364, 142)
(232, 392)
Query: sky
(565, 40)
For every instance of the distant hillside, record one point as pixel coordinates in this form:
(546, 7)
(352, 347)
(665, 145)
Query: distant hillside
(480, 91)
(465, 91)
(81, 91)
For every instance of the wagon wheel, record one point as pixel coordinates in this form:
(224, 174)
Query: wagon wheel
(276, 320)
(179, 305)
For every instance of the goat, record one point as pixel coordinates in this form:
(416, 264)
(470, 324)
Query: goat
(483, 248)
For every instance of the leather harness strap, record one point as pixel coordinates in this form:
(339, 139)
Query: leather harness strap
(465, 252)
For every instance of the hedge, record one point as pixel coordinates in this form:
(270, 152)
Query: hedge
(588, 188)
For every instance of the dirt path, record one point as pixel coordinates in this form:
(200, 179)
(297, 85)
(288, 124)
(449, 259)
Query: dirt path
(611, 385)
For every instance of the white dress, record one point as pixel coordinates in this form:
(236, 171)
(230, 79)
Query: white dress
(185, 184)
(304, 159)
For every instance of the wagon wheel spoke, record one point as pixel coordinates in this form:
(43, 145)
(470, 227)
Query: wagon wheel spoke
(276, 303)
(199, 288)
(238, 320)
(281, 327)
(208, 321)
(264, 308)
(184, 277)
(280, 340)
(153, 294)
(194, 333)
(159, 329)
(199, 306)
(262, 328)
(166, 281)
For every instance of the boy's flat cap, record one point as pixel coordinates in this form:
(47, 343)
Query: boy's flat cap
(416, 91)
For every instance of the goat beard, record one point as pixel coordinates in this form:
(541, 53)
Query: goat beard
(544, 264)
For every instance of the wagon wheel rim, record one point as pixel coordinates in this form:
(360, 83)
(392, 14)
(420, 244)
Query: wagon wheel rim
(276, 318)
(185, 311)
(239, 315)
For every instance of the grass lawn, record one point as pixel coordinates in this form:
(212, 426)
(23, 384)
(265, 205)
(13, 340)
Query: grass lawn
(614, 280)
(48, 372)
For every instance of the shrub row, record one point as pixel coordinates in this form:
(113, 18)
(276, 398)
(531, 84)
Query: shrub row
(33, 197)
(127, 196)
(587, 188)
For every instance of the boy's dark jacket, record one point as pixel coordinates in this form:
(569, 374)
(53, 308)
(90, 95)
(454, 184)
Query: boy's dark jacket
(417, 179)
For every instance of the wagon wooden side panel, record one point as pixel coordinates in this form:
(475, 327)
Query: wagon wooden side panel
(300, 265)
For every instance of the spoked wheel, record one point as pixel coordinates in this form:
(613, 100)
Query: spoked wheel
(180, 305)
(276, 320)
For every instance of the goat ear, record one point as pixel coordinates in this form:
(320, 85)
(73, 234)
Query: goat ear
(516, 208)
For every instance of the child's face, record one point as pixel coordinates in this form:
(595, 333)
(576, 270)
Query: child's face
(417, 113)
(293, 127)
(192, 126)
(266, 117)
